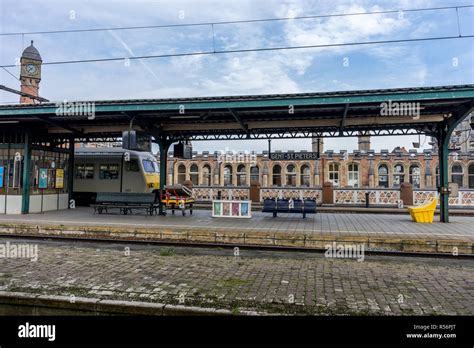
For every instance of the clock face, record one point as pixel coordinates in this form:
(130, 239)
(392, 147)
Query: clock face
(31, 69)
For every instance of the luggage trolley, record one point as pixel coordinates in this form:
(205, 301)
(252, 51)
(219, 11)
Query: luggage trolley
(177, 197)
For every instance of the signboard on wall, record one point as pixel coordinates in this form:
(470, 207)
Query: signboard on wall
(43, 178)
(2, 171)
(294, 156)
(59, 184)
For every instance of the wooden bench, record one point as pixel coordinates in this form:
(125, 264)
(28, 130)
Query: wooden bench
(125, 202)
(294, 206)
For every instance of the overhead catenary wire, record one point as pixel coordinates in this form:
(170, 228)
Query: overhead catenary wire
(200, 53)
(236, 21)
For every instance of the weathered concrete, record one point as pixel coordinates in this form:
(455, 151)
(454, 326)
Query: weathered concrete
(376, 232)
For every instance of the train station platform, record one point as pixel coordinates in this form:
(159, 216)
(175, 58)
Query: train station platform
(377, 232)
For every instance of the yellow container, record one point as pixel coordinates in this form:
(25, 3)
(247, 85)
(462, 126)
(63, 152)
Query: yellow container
(423, 213)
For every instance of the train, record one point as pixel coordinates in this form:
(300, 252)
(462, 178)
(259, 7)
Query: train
(113, 170)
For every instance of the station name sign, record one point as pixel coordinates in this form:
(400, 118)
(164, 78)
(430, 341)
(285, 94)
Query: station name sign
(294, 156)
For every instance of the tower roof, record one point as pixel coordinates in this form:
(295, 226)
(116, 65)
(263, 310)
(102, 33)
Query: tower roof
(31, 52)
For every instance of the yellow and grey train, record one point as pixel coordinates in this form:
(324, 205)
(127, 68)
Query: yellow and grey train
(113, 170)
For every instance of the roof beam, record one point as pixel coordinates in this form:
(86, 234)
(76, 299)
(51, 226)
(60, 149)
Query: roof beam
(59, 124)
(239, 121)
(343, 120)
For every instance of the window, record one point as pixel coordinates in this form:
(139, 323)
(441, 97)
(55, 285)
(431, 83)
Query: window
(148, 166)
(383, 175)
(109, 171)
(398, 175)
(290, 175)
(254, 174)
(415, 175)
(85, 171)
(132, 166)
(157, 166)
(334, 173)
(457, 175)
(471, 176)
(276, 180)
(305, 176)
(353, 175)
(241, 175)
(206, 175)
(181, 173)
(194, 174)
(227, 175)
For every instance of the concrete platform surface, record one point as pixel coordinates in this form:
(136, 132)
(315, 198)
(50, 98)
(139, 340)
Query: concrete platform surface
(377, 231)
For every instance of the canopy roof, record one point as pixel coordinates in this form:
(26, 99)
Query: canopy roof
(345, 113)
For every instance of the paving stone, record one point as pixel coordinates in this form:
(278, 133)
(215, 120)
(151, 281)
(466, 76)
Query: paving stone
(318, 285)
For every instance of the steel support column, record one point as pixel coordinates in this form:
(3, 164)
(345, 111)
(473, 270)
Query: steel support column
(164, 145)
(25, 190)
(443, 152)
(70, 177)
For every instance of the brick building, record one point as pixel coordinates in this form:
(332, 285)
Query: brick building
(361, 168)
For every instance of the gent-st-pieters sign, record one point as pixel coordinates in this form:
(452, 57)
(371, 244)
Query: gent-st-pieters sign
(294, 156)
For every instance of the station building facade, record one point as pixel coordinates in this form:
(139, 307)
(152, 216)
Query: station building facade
(358, 169)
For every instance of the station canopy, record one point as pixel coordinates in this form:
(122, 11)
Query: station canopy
(328, 114)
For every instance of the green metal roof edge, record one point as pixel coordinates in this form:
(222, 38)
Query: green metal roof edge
(284, 101)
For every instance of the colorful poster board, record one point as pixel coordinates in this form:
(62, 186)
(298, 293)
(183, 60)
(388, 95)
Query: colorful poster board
(232, 209)
(43, 178)
(2, 171)
(59, 184)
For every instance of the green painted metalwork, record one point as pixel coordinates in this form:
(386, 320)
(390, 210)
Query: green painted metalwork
(444, 134)
(25, 199)
(164, 146)
(70, 177)
(260, 102)
(443, 152)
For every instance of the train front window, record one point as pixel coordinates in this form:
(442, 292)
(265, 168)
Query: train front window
(157, 167)
(148, 166)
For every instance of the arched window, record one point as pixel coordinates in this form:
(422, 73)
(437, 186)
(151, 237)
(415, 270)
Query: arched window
(206, 175)
(290, 175)
(457, 175)
(181, 173)
(383, 175)
(194, 174)
(241, 175)
(276, 175)
(227, 175)
(415, 175)
(305, 176)
(353, 175)
(334, 173)
(398, 174)
(471, 176)
(254, 174)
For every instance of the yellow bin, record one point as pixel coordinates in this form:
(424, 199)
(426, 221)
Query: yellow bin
(423, 213)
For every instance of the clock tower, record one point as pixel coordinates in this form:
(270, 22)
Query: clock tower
(30, 75)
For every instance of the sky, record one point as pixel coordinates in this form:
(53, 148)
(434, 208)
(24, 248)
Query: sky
(415, 64)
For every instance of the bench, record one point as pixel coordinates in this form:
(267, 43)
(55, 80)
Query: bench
(125, 202)
(293, 206)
